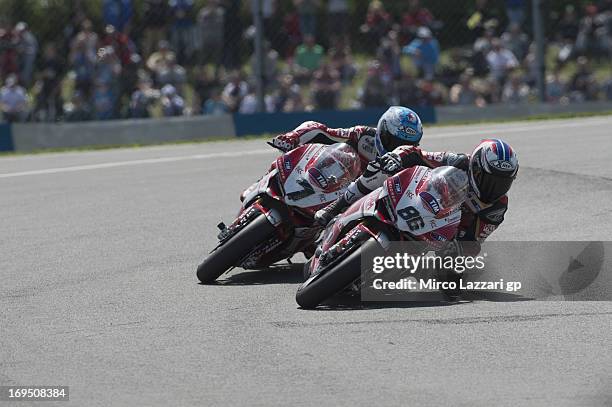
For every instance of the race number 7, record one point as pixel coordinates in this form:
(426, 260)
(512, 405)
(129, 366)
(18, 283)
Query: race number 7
(297, 195)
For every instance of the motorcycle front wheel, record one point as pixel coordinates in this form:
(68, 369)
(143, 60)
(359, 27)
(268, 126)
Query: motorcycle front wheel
(325, 285)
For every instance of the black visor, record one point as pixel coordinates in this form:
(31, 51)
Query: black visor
(490, 186)
(390, 142)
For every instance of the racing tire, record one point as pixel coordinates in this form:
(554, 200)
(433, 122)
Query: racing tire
(324, 286)
(236, 248)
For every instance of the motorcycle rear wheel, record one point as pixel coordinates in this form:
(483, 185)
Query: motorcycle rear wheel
(333, 281)
(236, 248)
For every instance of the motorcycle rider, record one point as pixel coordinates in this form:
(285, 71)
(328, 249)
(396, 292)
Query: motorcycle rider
(491, 169)
(393, 146)
(367, 141)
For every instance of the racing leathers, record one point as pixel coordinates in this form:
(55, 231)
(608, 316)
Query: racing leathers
(361, 138)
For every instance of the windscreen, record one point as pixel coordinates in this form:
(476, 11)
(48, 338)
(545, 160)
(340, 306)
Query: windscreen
(337, 165)
(445, 188)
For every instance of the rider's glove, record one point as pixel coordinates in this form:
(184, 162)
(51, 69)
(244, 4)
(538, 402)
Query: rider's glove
(325, 215)
(285, 142)
(389, 164)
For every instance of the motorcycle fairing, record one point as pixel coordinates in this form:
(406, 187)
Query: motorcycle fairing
(403, 191)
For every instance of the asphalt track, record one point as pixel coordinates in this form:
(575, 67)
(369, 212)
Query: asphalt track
(97, 262)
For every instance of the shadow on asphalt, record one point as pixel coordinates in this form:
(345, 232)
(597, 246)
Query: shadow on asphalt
(276, 274)
(354, 304)
(492, 296)
(293, 274)
(425, 300)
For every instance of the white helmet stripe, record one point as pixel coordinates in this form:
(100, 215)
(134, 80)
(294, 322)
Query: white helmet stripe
(483, 160)
(503, 149)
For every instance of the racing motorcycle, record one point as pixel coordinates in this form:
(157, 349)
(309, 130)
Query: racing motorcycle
(276, 219)
(416, 204)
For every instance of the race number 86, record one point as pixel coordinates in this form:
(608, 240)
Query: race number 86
(412, 217)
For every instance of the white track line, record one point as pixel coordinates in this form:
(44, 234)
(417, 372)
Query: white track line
(519, 129)
(492, 131)
(135, 162)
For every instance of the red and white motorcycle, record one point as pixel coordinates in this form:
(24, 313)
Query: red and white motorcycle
(277, 215)
(416, 204)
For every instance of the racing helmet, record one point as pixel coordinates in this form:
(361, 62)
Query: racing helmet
(492, 168)
(398, 126)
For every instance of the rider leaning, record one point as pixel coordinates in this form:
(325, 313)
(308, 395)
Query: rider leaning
(369, 143)
(392, 146)
(491, 169)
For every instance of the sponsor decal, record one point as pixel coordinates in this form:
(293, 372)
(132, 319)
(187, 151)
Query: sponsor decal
(366, 144)
(369, 204)
(407, 130)
(502, 165)
(431, 203)
(437, 237)
(287, 164)
(486, 231)
(397, 185)
(318, 178)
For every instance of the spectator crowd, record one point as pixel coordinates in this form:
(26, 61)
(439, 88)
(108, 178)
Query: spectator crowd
(186, 57)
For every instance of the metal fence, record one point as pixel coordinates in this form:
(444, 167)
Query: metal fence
(72, 60)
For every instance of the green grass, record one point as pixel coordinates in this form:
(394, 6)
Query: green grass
(536, 117)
